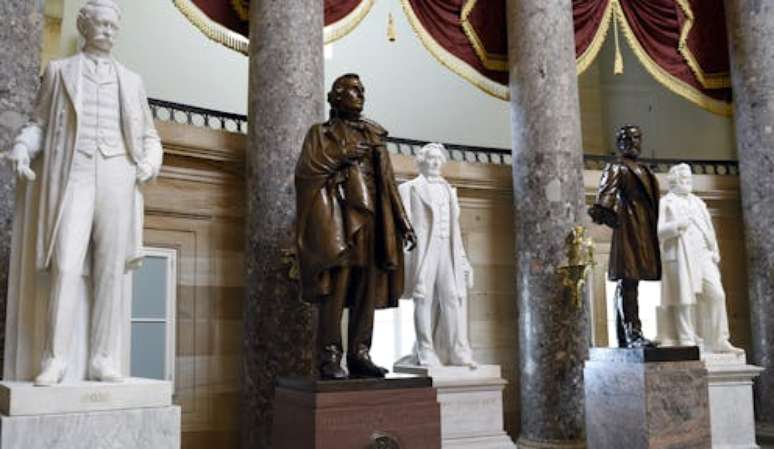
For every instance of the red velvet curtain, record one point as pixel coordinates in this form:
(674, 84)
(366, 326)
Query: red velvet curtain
(484, 27)
(588, 17)
(232, 14)
(224, 13)
(682, 43)
(438, 24)
(707, 36)
(336, 10)
(486, 21)
(657, 26)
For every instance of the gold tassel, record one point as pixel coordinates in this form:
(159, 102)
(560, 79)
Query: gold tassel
(391, 34)
(618, 61)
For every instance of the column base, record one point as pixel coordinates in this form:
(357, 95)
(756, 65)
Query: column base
(765, 433)
(646, 398)
(526, 443)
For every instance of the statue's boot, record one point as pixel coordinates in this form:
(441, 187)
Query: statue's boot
(462, 356)
(727, 347)
(330, 364)
(634, 337)
(104, 371)
(52, 373)
(628, 321)
(360, 364)
(427, 357)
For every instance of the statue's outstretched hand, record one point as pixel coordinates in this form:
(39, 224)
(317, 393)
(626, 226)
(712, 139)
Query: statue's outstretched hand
(20, 162)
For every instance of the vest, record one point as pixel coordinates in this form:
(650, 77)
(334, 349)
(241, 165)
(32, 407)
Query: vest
(100, 120)
(441, 221)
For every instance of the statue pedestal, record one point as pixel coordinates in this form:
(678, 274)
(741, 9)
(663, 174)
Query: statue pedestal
(134, 414)
(352, 414)
(471, 405)
(730, 381)
(646, 399)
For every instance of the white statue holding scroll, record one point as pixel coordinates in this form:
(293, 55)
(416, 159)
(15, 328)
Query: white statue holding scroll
(437, 271)
(692, 294)
(89, 147)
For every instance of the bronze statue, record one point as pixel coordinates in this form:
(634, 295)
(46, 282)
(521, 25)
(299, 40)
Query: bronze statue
(627, 201)
(350, 229)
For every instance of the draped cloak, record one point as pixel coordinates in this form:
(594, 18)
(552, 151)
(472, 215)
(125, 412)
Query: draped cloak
(333, 204)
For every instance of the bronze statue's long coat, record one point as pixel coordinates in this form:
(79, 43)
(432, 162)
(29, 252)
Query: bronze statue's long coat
(333, 204)
(630, 190)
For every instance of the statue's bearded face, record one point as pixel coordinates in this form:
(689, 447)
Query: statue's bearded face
(101, 28)
(629, 141)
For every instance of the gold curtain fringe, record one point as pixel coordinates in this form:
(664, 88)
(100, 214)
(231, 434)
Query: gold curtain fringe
(452, 62)
(491, 61)
(391, 33)
(618, 61)
(671, 82)
(212, 29)
(336, 31)
(590, 54)
(237, 42)
(709, 81)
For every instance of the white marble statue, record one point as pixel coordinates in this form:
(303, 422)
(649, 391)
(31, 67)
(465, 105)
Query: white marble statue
(692, 294)
(83, 158)
(437, 271)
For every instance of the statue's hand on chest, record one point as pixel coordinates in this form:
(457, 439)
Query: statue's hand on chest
(355, 151)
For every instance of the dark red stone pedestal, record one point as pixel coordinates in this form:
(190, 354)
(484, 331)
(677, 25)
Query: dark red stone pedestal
(310, 414)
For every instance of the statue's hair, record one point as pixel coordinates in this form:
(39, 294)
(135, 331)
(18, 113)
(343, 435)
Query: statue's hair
(675, 171)
(422, 152)
(623, 130)
(87, 12)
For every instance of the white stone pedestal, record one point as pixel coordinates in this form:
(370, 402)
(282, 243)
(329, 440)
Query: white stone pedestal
(471, 405)
(730, 381)
(134, 414)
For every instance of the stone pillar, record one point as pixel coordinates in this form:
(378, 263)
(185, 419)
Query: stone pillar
(20, 40)
(548, 200)
(750, 35)
(286, 96)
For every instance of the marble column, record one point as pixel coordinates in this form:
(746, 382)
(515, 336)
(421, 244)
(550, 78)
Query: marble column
(548, 201)
(750, 26)
(286, 96)
(20, 41)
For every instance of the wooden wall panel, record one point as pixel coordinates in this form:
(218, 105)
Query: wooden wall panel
(197, 207)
